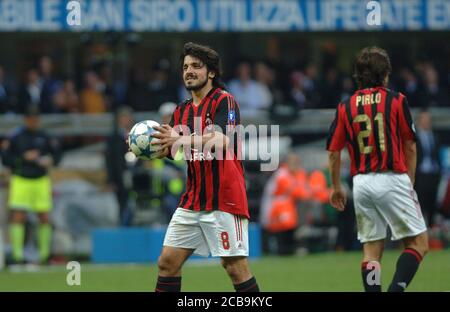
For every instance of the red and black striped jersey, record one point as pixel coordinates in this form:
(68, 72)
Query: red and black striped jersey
(373, 123)
(213, 183)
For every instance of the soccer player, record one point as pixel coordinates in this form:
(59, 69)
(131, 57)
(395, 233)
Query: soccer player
(212, 215)
(376, 126)
(30, 153)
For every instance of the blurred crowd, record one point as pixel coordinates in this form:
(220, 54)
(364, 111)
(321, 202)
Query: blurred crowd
(257, 85)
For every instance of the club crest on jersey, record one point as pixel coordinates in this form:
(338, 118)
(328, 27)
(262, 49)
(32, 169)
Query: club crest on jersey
(231, 115)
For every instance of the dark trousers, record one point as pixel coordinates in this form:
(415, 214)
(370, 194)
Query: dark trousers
(346, 220)
(124, 212)
(280, 243)
(427, 187)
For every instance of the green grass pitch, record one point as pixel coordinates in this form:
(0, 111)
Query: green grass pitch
(317, 272)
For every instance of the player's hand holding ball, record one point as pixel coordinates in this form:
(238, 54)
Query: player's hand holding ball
(140, 139)
(164, 137)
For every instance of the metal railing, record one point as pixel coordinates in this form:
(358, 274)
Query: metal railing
(307, 121)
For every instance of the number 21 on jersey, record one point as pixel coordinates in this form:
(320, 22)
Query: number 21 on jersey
(365, 119)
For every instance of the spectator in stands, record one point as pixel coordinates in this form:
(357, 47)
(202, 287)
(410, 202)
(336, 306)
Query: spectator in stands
(6, 105)
(159, 86)
(347, 88)
(279, 217)
(138, 95)
(433, 95)
(107, 84)
(92, 97)
(30, 93)
(49, 85)
(265, 76)
(331, 89)
(249, 93)
(410, 86)
(116, 165)
(148, 90)
(311, 85)
(66, 99)
(428, 173)
(298, 93)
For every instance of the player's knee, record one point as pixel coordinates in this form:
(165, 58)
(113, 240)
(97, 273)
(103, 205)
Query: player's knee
(229, 267)
(419, 243)
(17, 217)
(44, 218)
(225, 264)
(424, 247)
(235, 269)
(421, 248)
(167, 266)
(373, 251)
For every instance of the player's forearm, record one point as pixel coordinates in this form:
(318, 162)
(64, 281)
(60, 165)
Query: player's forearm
(334, 164)
(411, 158)
(46, 161)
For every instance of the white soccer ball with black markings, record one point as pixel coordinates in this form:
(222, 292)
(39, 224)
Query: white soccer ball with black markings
(139, 139)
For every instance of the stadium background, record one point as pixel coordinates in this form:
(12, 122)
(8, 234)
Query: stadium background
(125, 53)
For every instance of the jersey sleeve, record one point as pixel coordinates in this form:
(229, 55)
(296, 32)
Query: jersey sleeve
(172, 121)
(336, 134)
(12, 154)
(9, 152)
(227, 113)
(172, 124)
(407, 128)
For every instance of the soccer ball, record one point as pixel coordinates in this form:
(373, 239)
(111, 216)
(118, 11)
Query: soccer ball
(139, 139)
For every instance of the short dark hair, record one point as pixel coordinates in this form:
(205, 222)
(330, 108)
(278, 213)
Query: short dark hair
(209, 57)
(371, 67)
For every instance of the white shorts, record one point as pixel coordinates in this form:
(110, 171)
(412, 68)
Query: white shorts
(218, 233)
(383, 199)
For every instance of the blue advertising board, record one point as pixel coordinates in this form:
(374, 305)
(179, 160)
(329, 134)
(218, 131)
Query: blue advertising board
(224, 15)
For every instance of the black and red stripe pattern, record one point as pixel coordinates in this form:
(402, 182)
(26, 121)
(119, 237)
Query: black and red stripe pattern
(238, 227)
(415, 253)
(212, 183)
(373, 130)
(168, 284)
